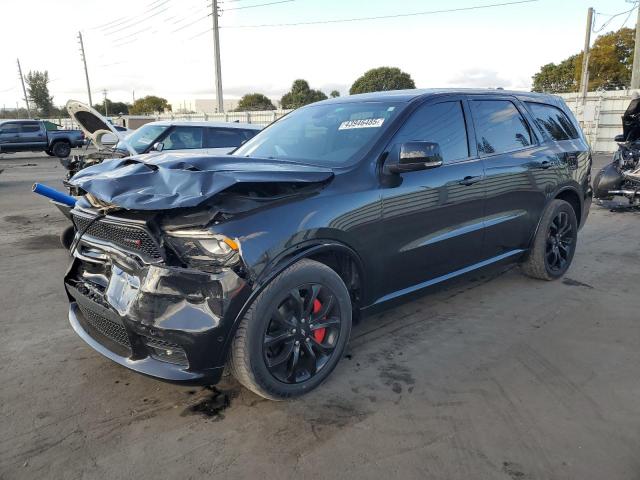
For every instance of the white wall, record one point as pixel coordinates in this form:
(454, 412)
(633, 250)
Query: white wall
(600, 116)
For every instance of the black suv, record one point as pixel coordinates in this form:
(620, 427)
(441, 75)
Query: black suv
(260, 260)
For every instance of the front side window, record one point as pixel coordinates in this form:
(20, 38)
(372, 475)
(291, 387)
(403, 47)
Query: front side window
(331, 135)
(500, 127)
(553, 121)
(441, 123)
(141, 139)
(227, 137)
(9, 128)
(183, 138)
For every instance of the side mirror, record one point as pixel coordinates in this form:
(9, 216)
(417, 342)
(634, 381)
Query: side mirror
(619, 138)
(416, 156)
(157, 147)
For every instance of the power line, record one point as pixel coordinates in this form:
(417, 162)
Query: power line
(257, 5)
(380, 17)
(136, 19)
(612, 17)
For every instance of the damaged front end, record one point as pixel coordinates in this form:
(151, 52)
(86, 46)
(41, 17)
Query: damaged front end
(158, 288)
(137, 302)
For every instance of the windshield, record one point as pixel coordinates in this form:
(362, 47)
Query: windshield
(143, 137)
(330, 135)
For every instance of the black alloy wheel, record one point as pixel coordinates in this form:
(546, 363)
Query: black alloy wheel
(554, 244)
(302, 333)
(560, 242)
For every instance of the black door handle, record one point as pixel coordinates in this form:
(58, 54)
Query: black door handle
(470, 180)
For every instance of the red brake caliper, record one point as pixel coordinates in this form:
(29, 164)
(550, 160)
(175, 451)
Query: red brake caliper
(320, 332)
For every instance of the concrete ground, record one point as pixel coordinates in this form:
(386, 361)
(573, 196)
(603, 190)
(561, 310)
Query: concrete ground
(498, 377)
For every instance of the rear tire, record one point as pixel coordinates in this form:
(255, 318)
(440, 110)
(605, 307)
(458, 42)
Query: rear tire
(49, 152)
(554, 245)
(61, 149)
(294, 333)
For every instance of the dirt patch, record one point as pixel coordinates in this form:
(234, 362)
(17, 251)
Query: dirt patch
(575, 283)
(212, 405)
(42, 242)
(19, 219)
(513, 470)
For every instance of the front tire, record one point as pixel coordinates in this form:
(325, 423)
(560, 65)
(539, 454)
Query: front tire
(294, 333)
(554, 244)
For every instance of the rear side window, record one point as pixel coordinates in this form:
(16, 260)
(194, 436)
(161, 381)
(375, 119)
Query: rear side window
(29, 127)
(442, 123)
(500, 127)
(227, 137)
(553, 121)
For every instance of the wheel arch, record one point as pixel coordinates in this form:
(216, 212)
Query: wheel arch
(329, 252)
(570, 195)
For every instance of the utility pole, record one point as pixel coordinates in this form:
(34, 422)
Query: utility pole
(104, 93)
(24, 90)
(216, 52)
(635, 72)
(584, 81)
(84, 61)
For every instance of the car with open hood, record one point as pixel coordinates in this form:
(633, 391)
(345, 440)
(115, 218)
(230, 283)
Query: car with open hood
(259, 261)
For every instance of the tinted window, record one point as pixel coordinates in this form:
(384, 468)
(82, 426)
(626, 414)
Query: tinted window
(29, 127)
(553, 121)
(329, 134)
(442, 123)
(10, 128)
(499, 126)
(227, 137)
(183, 138)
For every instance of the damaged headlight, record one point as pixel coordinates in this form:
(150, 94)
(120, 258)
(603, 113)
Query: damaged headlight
(204, 250)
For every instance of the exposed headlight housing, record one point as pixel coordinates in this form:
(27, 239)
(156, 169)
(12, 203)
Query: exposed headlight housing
(205, 250)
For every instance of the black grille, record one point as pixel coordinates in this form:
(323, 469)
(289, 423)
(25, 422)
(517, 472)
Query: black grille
(160, 348)
(130, 238)
(106, 327)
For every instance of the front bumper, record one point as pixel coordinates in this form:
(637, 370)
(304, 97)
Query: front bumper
(166, 322)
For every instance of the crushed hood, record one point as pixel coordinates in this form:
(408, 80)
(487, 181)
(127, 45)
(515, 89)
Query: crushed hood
(177, 180)
(93, 125)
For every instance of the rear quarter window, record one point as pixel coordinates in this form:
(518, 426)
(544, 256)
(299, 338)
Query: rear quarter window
(553, 121)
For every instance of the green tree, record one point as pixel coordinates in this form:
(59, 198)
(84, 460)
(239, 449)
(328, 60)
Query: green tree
(558, 78)
(149, 104)
(334, 94)
(254, 101)
(382, 79)
(301, 94)
(610, 62)
(113, 108)
(38, 92)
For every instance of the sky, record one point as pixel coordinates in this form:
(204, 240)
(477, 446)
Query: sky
(165, 47)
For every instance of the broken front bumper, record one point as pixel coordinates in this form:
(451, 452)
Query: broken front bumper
(167, 322)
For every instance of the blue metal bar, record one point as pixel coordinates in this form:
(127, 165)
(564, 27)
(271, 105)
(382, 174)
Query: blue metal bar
(53, 194)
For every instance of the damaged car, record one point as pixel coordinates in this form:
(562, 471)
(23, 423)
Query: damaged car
(258, 262)
(211, 138)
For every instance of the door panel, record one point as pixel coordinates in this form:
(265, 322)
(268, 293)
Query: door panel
(515, 168)
(33, 135)
(433, 223)
(9, 136)
(433, 219)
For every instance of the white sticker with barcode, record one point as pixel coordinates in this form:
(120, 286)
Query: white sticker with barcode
(363, 123)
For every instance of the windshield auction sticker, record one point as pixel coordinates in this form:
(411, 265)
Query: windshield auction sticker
(364, 123)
